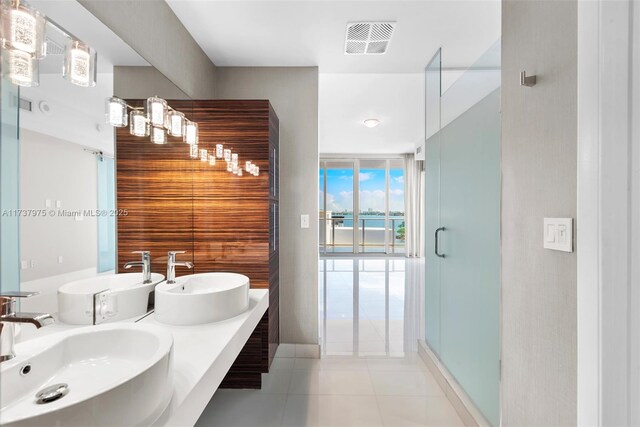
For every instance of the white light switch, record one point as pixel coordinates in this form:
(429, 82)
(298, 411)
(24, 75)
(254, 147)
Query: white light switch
(24, 264)
(558, 234)
(304, 221)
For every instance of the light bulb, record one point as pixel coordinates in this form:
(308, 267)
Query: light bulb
(193, 151)
(139, 126)
(79, 65)
(22, 68)
(176, 123)
(234, 158)
(158, 135)
(227, 155)
(257, 169)
(219, 151)
(239, 172)
(212, 160)
(190, 132)
(229, 167)
(157, 111)
(22, 28)
(116, 112)
(247, 166)
(203, 155)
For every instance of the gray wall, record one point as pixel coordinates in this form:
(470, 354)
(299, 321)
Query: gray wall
(142, 83)
(152, 29)
(55, 169)
(293, 92)
(539, 152)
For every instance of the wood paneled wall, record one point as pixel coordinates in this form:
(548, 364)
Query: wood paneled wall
(224, 222)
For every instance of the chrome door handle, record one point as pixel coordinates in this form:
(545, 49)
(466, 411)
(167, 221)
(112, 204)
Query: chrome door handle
(436, 244)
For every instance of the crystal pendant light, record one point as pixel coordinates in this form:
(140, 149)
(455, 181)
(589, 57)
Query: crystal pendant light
(190, 132)
(138, 123)
(239, 172)
(219, 151)
(227, 155)
(22, 28)
(229, 167)
(193, 151)
(158, 135)
(234, 158)
(79, 64)
(234, 167)
(203, 155)
(22, 68)
(212, 160)
(247, 166)
(157, 111)
(256, 171)
(116, 112)
(176, 121)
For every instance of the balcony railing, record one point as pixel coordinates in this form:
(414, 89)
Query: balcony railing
(336, 235)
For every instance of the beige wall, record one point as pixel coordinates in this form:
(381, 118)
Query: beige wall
(293, 92)
(142, 83)
(539, 144)
(152, 29)
(55, 169)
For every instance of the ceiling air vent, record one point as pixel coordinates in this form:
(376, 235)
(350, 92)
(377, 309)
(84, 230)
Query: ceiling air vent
(54, 48)
(368, 38)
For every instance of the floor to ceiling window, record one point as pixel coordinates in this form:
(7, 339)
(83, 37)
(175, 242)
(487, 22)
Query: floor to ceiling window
(361, 206)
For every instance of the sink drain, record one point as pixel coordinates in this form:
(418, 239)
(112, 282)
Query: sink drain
(52, 393)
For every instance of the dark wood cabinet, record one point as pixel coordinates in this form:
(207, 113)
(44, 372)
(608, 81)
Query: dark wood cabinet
(223, 221)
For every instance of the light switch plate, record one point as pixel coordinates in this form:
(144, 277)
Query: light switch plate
(558, 234)
(304, 221)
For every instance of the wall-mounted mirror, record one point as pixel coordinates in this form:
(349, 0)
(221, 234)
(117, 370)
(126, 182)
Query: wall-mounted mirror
(57, 166)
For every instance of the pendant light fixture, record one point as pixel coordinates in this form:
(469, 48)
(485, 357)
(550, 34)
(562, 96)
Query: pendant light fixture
(158, 135)
(22, 35)
(176, 121)
(139, 125)
(79, 64)
(190, 132)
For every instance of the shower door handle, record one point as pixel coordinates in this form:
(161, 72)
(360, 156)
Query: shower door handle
(436, 244)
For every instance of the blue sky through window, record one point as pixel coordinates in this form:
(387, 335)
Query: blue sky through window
(372, 190)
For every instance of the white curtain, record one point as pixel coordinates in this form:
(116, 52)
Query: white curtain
(413, 209)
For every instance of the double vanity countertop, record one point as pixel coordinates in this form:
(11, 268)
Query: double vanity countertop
(202, 356)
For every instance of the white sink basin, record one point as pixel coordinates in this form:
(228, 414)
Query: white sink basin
(125, 297)
(116, 375)
(202, 298)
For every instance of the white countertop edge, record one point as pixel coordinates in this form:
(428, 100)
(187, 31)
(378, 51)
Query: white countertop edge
(195, 385)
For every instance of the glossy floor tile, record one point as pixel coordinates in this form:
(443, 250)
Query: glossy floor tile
(369, 376)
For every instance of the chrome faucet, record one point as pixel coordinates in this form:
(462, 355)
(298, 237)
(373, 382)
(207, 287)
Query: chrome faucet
(172, 263)
(8, 317)
(145, 263)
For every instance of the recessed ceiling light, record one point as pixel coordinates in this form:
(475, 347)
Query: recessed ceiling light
(371, 123)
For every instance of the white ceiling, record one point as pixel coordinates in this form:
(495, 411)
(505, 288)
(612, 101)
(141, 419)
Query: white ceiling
(307, 32)
(311, 33)
(346, 100)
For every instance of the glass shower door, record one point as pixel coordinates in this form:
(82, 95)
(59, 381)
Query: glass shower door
(463, 258)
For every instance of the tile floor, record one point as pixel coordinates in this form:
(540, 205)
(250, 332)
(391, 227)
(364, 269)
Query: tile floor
(370, 374)
(336, 392)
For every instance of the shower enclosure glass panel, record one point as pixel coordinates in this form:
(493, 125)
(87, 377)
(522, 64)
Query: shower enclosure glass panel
(465, 308)
(432, 207)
